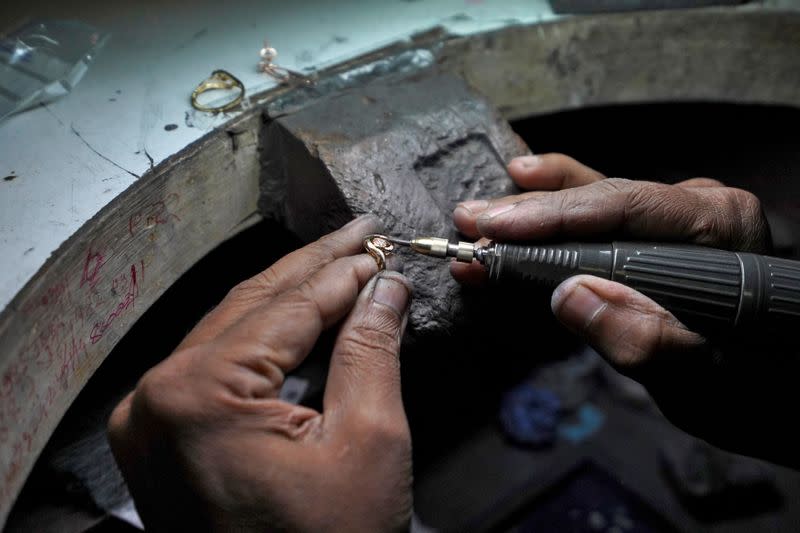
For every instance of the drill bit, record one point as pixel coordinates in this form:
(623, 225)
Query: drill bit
(464, 252)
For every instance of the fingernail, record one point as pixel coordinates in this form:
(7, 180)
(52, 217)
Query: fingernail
(392, 293)
(499, 210)
(474, 206)
(575, 305)
(529, 161)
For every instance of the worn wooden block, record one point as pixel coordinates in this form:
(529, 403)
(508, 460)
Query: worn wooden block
(407, 151)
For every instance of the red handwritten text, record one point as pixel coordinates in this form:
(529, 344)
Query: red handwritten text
(51, 296)
(91, 268)
(128, 300)
(155, 214)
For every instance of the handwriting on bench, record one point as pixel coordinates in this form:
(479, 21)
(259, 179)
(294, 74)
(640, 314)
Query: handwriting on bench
(129, 285)
(155, 214)
(67, 318)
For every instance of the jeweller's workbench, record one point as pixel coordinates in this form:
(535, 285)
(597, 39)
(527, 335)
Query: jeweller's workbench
(109, 194)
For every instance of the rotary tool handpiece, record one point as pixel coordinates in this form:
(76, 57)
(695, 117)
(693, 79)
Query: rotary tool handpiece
(715, 291)
(721, 289)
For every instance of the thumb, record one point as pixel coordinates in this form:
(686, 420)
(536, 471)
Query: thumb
(629, 329)
(364, 375)
(723, 404)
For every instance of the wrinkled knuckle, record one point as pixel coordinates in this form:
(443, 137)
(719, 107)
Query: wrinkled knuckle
(632, 356)
(272, 377)
(262, 377)
(615, 185)
(324, 249)
(708, 228)
(635, 339)
(640, 197)
(299, 301)
(629, 358)
(731, 220)
(266, 281)
(260, 286)
(746, 205)
(365, 340)
(752, 229)
(381, 318)
(622, 195)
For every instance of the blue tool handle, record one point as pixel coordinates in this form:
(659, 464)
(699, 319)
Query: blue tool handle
(705, 287)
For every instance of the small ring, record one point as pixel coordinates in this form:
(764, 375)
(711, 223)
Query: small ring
(219, 79)
(378, 246)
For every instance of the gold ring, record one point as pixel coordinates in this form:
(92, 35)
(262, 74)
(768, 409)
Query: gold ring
(378, 246)
(219, 80)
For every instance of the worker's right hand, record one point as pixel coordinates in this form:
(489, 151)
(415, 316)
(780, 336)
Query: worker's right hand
(722, 393)
(206, 444)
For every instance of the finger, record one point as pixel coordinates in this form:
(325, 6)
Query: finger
(364, 375)
(470, 274)
(536, 172)
(287, 273)
(700, 182)
(282, 332)
(643, 340)
(714, 216)
(554, 173)
(551, 172)
(465, 215)
(629, 329)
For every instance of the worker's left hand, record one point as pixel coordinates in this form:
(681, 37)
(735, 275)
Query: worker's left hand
(206, 445)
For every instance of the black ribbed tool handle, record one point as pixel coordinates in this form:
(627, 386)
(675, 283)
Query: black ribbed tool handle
(548, 265)
(704, 287)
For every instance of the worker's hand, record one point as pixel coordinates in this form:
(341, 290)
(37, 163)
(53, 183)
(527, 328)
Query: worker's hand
(710, 391)
(206, 445)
